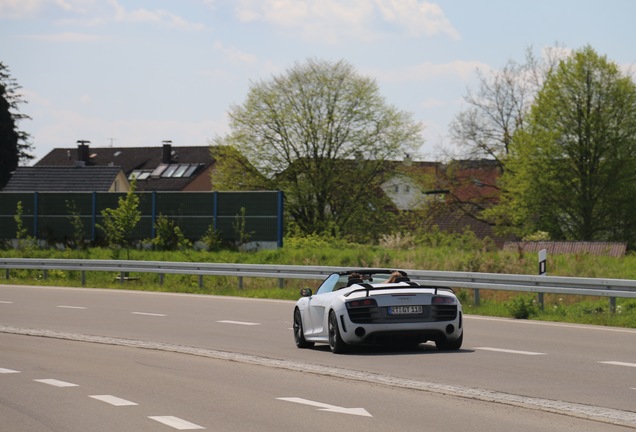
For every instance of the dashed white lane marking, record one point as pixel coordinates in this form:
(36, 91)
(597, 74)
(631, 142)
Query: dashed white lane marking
(617, 363)
(597, 413)
(71, 307)
(6, 302)
(149, 314)
(176, 422)
(501, 350)
(56, 383)
(8, 371)
(113, 400)
(238, 322)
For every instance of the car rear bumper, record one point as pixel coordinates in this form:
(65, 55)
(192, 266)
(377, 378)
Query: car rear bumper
(390, 333)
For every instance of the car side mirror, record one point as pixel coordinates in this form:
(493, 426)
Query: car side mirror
(306, 292)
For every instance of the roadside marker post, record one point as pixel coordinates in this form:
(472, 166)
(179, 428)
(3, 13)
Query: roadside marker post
(543, 270)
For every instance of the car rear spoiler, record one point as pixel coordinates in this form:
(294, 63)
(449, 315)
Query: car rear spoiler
(368, 288)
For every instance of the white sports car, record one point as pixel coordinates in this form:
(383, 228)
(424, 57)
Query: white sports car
(377, 306)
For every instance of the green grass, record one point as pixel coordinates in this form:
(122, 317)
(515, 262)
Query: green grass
(455, 254)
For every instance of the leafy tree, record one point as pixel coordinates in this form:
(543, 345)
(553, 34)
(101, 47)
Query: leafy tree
(572, 169)
(120, 222)
(14, 146)
(322, 134)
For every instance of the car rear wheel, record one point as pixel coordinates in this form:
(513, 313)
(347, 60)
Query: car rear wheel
(337, 345)
(299, 333)
(452, 345)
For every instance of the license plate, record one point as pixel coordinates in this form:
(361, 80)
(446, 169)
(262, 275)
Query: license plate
(405, 310)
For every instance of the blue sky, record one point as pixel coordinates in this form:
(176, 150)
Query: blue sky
(135, 73)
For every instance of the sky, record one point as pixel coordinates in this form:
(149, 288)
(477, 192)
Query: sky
(127, 73)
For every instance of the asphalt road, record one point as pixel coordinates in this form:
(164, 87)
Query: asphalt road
(192, 362)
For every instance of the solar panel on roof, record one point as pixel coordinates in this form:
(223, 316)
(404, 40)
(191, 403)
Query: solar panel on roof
(181, 170)
(170, 170)
(159, 170)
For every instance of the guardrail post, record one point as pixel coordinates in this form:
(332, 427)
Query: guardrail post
(121, 278)
(200, 281)
(281, 283)
(240, 281)
(160, 279)
(45, 274)
(6, 274)
(612, 304)
(83, 273)
(476, 302)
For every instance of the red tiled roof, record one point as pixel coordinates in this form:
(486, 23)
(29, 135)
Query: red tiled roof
(613, 249)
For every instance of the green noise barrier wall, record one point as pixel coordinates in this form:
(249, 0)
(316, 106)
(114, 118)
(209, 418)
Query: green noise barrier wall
(48, 215)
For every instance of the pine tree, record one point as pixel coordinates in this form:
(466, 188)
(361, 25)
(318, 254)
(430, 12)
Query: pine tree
(14, 143)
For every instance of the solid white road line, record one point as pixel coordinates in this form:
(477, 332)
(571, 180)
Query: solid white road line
(176, 422)
(617, 363)
(501, 350)
(113, 400)
(8, 371)
(239, 323)
(56, 383)
(71, 307)
(149, 314)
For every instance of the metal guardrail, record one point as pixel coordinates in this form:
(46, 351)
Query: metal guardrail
(611, 288)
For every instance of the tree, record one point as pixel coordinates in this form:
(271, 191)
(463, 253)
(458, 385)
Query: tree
(486, 127)
(120, 222)
(572, 169)
(498, 109)
(322, 134)
(14, 146)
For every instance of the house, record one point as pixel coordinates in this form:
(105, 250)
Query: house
(68, 179)
(161, 168)
(449, 196)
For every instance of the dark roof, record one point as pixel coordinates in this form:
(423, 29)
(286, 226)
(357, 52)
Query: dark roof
(140, 160)
(128, 158)
(62, 179)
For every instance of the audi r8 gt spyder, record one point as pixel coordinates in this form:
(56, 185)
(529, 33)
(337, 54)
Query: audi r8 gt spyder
(377, 306)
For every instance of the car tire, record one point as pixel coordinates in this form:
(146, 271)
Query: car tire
(450, 345)
(299, 333)
(337, 345)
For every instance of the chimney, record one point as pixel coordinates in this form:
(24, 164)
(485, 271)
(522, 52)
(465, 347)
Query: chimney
(166, 155)
(83, 152)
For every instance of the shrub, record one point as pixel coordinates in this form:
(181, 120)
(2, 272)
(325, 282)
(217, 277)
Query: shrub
(522, 307)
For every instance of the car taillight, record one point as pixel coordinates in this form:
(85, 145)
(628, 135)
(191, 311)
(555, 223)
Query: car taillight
(367, 302)
(443, 300)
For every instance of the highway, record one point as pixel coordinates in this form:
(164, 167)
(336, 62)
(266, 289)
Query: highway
(91, 359)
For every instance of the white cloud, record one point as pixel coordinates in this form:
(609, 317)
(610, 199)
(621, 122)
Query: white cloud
(66, 37)
(19, 8)
(463, 70)
(159, 16)
(417, 17)
(234, 54)
(335, 20)
(93, 12)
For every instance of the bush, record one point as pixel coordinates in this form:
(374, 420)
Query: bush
(168, 235)
(522, 307)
